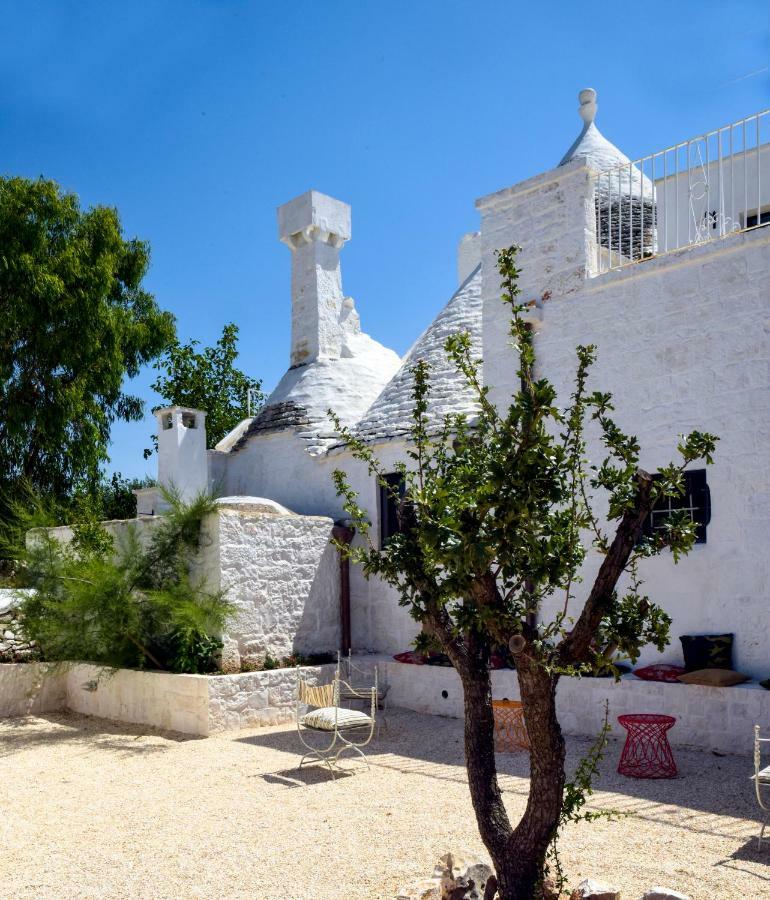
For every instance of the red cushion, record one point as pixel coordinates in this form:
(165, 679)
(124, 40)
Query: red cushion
(410, 656)
(660, 672)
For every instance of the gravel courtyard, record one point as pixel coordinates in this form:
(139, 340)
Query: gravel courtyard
(89, 808)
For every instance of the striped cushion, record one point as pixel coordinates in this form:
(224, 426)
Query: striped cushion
(323, 719)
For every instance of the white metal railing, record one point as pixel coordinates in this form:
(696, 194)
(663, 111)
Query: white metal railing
(693, 192)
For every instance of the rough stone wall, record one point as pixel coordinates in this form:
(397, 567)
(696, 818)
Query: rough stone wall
(683, 342)
(283, 575)
(14, 647)
(255, 699)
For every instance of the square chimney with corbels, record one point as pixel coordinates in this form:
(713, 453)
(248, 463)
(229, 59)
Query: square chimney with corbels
(315, 227)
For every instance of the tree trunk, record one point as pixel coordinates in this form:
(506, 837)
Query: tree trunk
(517, 854)
(522, 870)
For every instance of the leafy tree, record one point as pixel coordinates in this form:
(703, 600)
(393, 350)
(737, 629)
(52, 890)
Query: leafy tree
(208, 380)
(75, 322)
(124, 601)
(115, 497)
(495, 522)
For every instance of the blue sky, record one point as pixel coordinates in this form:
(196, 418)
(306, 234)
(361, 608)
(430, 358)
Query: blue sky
(197, 119)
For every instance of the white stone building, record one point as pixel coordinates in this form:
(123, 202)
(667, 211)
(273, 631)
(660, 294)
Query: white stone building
(667, 272)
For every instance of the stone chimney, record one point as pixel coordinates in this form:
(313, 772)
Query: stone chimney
(182, 457)
(315, 227)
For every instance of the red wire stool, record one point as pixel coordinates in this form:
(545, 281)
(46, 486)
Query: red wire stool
(647, 753)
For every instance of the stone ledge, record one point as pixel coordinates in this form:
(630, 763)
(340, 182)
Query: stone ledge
(708, 718)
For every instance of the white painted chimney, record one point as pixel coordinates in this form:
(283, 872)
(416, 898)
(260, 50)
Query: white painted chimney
(468, 254)
(182, 458)
(315, 227)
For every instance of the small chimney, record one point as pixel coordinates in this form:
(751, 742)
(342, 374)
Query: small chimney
(182, 457)
(315, 227)
(468, 254)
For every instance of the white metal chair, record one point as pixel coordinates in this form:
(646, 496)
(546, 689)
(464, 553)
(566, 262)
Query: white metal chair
(362, 681)
(343, 729)
(761, 780)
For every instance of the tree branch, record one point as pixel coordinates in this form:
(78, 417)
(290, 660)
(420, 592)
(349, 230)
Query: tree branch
(575, 647)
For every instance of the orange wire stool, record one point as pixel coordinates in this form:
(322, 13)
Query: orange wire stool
(510, 730)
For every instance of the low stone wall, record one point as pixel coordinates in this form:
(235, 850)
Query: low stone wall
(29, 689)
(191, 704)
(708, 718)
(258, 698)
(160, 699)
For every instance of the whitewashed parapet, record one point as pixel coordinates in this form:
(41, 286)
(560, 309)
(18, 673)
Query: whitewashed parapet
(159, 699)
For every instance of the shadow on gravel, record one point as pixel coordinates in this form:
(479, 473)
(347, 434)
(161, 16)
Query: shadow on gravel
(91, 733)
(712, 795)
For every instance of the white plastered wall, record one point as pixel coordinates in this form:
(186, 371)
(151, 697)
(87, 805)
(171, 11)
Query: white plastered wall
(683, 343)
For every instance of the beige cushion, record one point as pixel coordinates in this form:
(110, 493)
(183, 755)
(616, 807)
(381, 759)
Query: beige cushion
(714, 677)
(764, 775)
(323, 719)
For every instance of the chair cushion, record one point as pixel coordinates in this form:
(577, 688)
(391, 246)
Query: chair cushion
(714, 677)
(323, 719)
(764, 775)
(707, 651)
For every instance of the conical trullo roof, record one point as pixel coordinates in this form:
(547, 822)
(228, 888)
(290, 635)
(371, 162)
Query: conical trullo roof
(602, 155)
(390, 416)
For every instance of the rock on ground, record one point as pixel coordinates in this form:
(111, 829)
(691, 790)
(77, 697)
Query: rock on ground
(457, 876)
(594, 890)
(659, 893)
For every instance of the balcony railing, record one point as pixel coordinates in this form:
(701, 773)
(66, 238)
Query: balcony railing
(694, 192)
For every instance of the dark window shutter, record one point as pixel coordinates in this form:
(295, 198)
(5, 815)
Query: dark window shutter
(701, 501)
(389, 505)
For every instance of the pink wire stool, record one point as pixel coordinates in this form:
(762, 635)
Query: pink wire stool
(647, 753)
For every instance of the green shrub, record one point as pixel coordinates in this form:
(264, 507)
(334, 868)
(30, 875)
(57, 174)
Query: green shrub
(128, 602)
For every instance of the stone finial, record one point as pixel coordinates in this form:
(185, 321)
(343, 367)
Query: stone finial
(588, 105)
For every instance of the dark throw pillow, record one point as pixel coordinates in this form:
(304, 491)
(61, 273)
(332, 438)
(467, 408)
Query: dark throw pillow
(707, 651)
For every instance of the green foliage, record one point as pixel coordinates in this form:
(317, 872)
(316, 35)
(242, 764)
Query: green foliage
(208, 380)
(497, 518)
(115, 495)
(75, 322)
(295, 659)
(497, 513)
(128, 602)
(190, 649)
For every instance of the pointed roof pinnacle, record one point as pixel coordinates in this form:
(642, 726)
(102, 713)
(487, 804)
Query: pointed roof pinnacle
(588, 105)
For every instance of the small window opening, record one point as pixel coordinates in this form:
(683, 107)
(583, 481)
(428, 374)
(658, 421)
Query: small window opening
(764, 218)
(188, 420)
(168, 421)
(696, 500)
